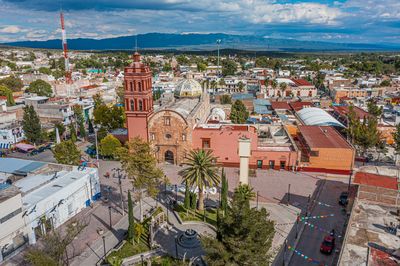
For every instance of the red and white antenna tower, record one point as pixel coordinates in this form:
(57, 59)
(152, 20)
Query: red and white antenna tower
(68, 78)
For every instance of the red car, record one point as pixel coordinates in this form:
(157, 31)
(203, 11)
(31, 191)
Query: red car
(328, 245)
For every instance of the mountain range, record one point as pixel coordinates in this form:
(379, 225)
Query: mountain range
(203, 42)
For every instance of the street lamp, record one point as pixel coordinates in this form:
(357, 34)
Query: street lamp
(142, 258)
(109, 211)
(104, 246)
(97, 148)
(119, 175)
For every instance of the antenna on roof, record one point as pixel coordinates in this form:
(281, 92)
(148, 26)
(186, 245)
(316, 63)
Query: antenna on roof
(136, 43)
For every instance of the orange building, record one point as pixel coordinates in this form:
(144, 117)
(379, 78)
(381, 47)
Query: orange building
(323, 149)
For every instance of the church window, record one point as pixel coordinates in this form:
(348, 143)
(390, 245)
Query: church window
(168, 136)
(131, 85)
(152, 136)
(132, 105)
(167, 121)
(140, 105)
(140, 86)
(183, 137)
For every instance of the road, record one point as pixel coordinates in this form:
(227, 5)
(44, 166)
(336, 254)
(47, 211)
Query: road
(311, 238)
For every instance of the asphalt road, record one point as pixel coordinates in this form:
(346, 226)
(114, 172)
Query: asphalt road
(311, 238)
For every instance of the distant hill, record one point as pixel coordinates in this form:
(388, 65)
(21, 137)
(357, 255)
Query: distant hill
(203, 42)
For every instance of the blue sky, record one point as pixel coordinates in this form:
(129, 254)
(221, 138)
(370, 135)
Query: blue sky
(366, 21)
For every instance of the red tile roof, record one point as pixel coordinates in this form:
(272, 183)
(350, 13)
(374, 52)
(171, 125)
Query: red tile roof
(301, 82)
(280, 105)
(297, 106)
(323, 137)
(344, 110)
(376, 180)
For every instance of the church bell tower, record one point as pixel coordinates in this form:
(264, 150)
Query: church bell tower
(138, 98)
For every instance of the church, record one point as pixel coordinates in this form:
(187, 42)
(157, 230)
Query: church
(168, 125)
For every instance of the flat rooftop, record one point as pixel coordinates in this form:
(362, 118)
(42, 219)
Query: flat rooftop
(323, 137)
(367, 225)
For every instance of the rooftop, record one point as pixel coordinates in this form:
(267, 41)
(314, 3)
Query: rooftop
(344, 110)
(280, 106)
(313, 116)
(323, 137)
(375, 180)
(301, 82)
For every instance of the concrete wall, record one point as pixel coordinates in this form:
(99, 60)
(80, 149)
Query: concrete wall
(333, 159)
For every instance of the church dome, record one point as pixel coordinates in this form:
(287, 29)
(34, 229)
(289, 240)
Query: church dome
(188, 88)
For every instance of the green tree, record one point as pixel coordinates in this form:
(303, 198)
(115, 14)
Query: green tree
(245, 236)
(385, 83)
(283, 87)
(225, 99)
(374, 110)
(31, 125)
(80, 119)
(105, 80)
(193, 200)
(67, 152)
(229, 67)
(12, 82)
(72, 132)
(108, 118)
(4, 91)
(131, 220)
(241, 86)
(139, 231)
(138, 162)
(109, 145)
(200, 171)
(40, 87)
(224, 192)
(167, 67)
(245, 193)
(45, 70)
(201, 67)
(239, 113)
(186, 202)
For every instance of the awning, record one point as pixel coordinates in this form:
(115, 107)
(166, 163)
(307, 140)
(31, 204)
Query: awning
(5, 146)
(25, 147)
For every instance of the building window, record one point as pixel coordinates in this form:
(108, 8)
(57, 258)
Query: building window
(132, 105)
(314, 153)
(259, 164)
(167, 121)
(131, 85)
(4, 137)
(168, 136)
(140, 86)
(183, 137)
(140, 105)
(205, 143)
(152, 136)
(283, 165)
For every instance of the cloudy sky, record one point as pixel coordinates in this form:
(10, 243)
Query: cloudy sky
(366, 21)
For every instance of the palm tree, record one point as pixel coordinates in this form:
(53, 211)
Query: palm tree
(213, 85)
(283, 87)
(201, 171)
(245, 193)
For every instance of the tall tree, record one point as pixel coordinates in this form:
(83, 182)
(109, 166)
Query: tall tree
(245, 236)
(245, 193)
(229, 67)
(131, 221)
(374, 110)
(239, 113)
(40, 87)
(396, 138)
(138, 162)
(224, 192)
(67, 152)
(80, 120)
(31, 125)
(201, 171)
(186, 202)
(72, 132)
(283, 87)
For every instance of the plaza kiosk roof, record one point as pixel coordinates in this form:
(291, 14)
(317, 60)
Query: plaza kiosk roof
(313, 116)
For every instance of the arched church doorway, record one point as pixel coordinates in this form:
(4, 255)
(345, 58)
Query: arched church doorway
(169, 157)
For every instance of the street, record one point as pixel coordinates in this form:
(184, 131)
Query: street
(316, 229)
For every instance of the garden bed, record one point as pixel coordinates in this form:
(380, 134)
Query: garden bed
(192, 215)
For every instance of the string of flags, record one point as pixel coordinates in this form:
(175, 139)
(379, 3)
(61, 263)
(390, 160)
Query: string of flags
(307, 258)
(319, 228)
(316, 217)
(323, 204)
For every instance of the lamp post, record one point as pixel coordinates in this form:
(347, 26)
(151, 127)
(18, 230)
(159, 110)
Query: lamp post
(142, 258)
(97, 146)
(218, 43)
(109, 212)
(104, 246)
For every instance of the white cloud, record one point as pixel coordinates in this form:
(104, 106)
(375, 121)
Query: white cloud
(11, 29)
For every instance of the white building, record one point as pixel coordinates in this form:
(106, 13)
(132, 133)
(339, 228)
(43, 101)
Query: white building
(42, 196)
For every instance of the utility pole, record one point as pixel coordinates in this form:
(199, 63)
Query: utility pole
(109, 212)
(97, 146)
(288, 196)
(104, 246)
(257, 200)
(218, 43)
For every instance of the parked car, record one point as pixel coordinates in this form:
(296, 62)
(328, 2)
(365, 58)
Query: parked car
(328, 244)
(344, 198)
